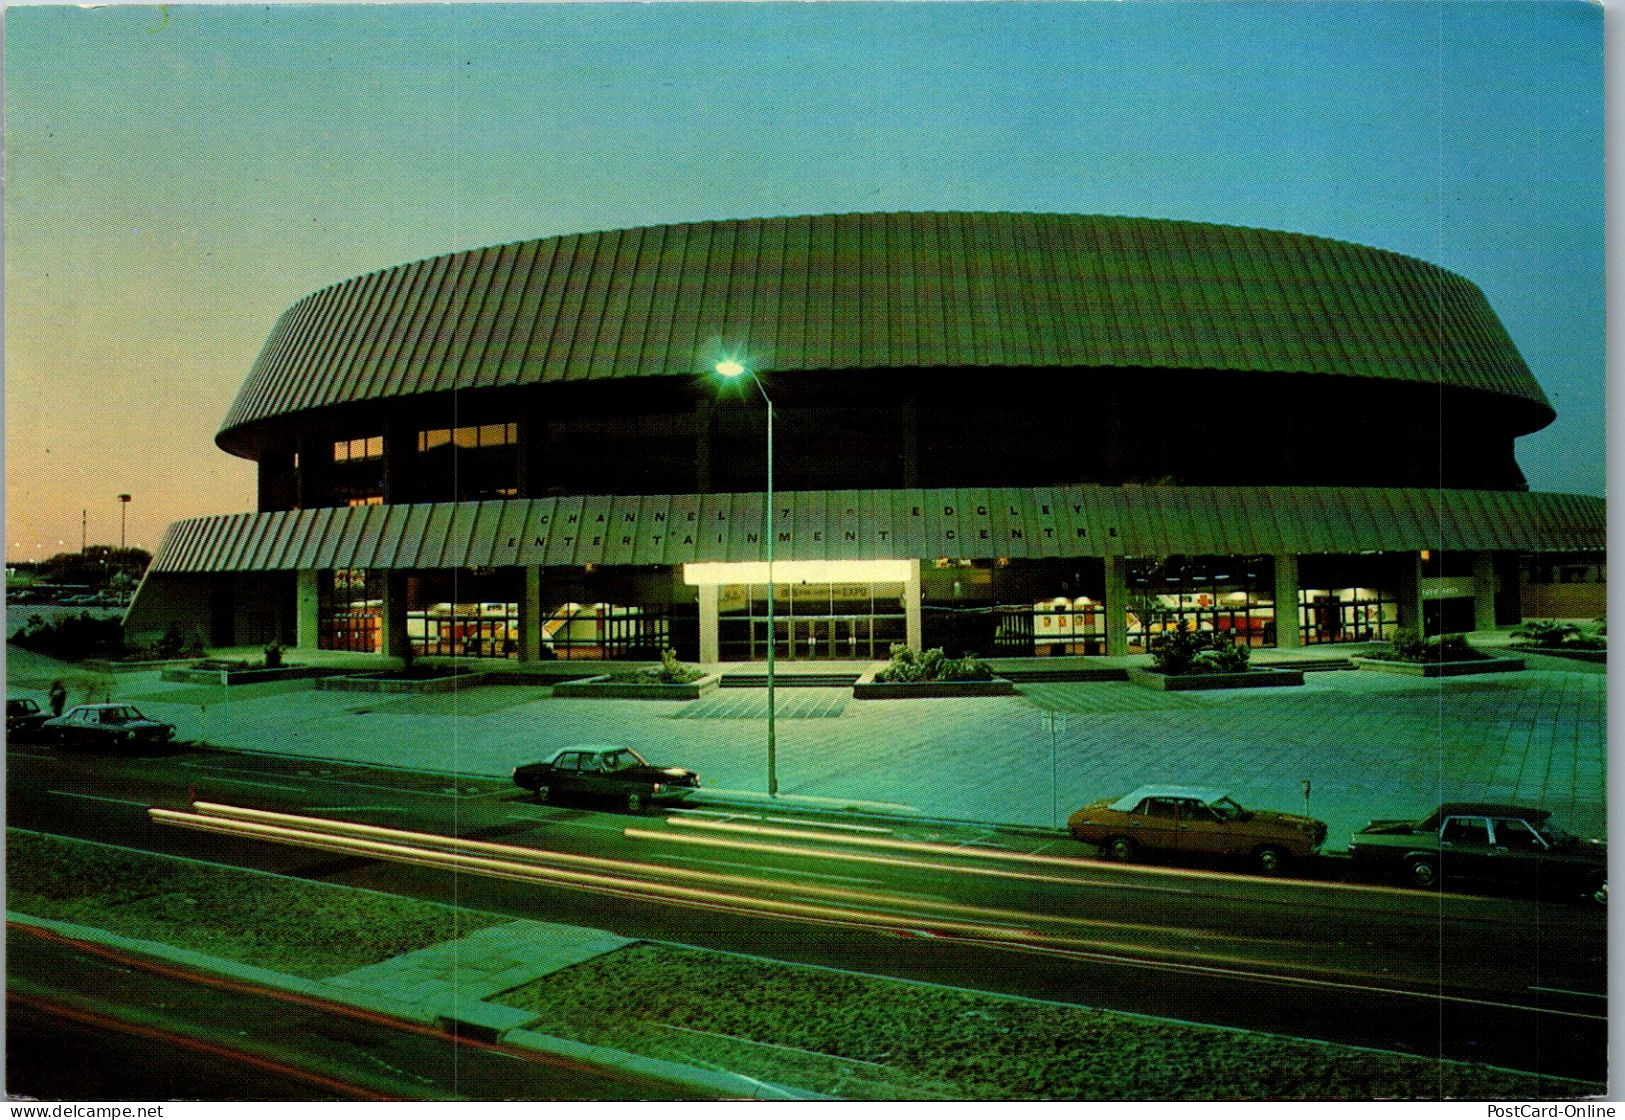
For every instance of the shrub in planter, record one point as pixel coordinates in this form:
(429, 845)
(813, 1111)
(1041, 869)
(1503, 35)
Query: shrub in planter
(273, 655)
(671, 671)
(906, 667)
(1183, 650)
(1407, 645)
(1547, 633)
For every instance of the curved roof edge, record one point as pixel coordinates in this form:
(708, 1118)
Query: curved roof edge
(884, 290)
(1028, 523)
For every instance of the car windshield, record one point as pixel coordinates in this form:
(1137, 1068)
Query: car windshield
(1225, 809)
(623, 759)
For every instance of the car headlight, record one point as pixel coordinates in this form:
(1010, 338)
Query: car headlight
(657, 788)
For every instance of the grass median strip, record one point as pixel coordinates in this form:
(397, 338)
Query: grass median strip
(853, 1035)
(289, 925)
(832, 1032)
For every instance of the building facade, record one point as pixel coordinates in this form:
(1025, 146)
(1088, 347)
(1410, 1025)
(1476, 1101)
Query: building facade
(1008, 434)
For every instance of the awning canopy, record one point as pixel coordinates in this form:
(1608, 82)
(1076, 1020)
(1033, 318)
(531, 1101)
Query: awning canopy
(1018, 523)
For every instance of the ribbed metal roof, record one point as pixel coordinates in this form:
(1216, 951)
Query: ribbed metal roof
(903, 290)
(1036, 522)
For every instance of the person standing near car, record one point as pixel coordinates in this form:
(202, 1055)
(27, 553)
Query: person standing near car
(59, 697)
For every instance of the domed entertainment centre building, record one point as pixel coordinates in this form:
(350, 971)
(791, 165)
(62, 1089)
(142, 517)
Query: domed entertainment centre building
(1010, 434)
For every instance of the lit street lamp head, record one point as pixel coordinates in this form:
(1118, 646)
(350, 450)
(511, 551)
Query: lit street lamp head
(729, 368)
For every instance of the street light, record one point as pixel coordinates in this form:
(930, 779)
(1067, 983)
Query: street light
(731, 369)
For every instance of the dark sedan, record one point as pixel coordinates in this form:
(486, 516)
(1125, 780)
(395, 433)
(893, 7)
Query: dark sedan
(1488, 842)
(109, 727)
(617, 773)
(25, 719)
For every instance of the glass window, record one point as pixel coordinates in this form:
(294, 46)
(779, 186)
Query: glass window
(1466, 830)
(1513, 833)
(357, 450)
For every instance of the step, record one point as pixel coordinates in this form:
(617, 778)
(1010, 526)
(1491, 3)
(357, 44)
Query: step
(790, 680)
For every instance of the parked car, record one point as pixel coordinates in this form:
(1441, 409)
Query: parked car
(1472, 840)
(108, 726)
(1196, 821)
(24, 719)
(594, 770)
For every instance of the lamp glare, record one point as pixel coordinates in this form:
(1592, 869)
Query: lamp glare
(729, 368)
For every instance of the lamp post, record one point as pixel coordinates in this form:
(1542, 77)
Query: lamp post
(731, 369)
(123, 507)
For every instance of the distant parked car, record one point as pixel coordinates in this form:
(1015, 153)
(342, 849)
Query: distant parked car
(593, 770)
(108, 726)
(24, 719)
(1490, 842)
(1197, 821)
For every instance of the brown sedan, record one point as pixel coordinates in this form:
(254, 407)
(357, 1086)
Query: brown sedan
(1193, 820)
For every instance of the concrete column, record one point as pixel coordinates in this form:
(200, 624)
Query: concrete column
(912, 628)
(1116, 606)
(307, 610)
(1287, 635)
(1409, 591)
(1484, 588)
(530, 616)
(710, 610)
(394, 636)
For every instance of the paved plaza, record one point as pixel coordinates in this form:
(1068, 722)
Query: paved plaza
(1371, 744)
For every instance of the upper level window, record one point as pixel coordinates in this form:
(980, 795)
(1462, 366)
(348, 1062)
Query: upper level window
(472, 435)
(355, 450)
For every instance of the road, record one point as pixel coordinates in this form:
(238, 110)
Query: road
(1503, 980)
(84, 1023)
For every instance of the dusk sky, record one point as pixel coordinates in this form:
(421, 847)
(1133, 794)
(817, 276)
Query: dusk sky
(177, 177)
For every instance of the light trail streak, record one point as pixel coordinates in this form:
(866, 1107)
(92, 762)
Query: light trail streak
(228, 820)
(197, 1045)
(1010, 855)
(915, 907)
(96, 797)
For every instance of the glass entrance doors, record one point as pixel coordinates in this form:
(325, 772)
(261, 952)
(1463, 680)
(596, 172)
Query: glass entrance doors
(813, 621)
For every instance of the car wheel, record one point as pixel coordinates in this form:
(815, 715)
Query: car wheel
(1120, 848)
(635, 802)
(541, 794)
(1422, 871)
(1269, 859)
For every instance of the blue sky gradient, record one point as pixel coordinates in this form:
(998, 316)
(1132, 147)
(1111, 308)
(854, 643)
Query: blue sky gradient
(177, 177)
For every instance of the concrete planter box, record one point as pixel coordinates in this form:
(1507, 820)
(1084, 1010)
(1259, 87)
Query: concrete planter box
(1441, 668)
(1594, 656)
(867, 688)
(380, 682)
(1260, 677)
(102, 665)
(248, 674)
(605, 687)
